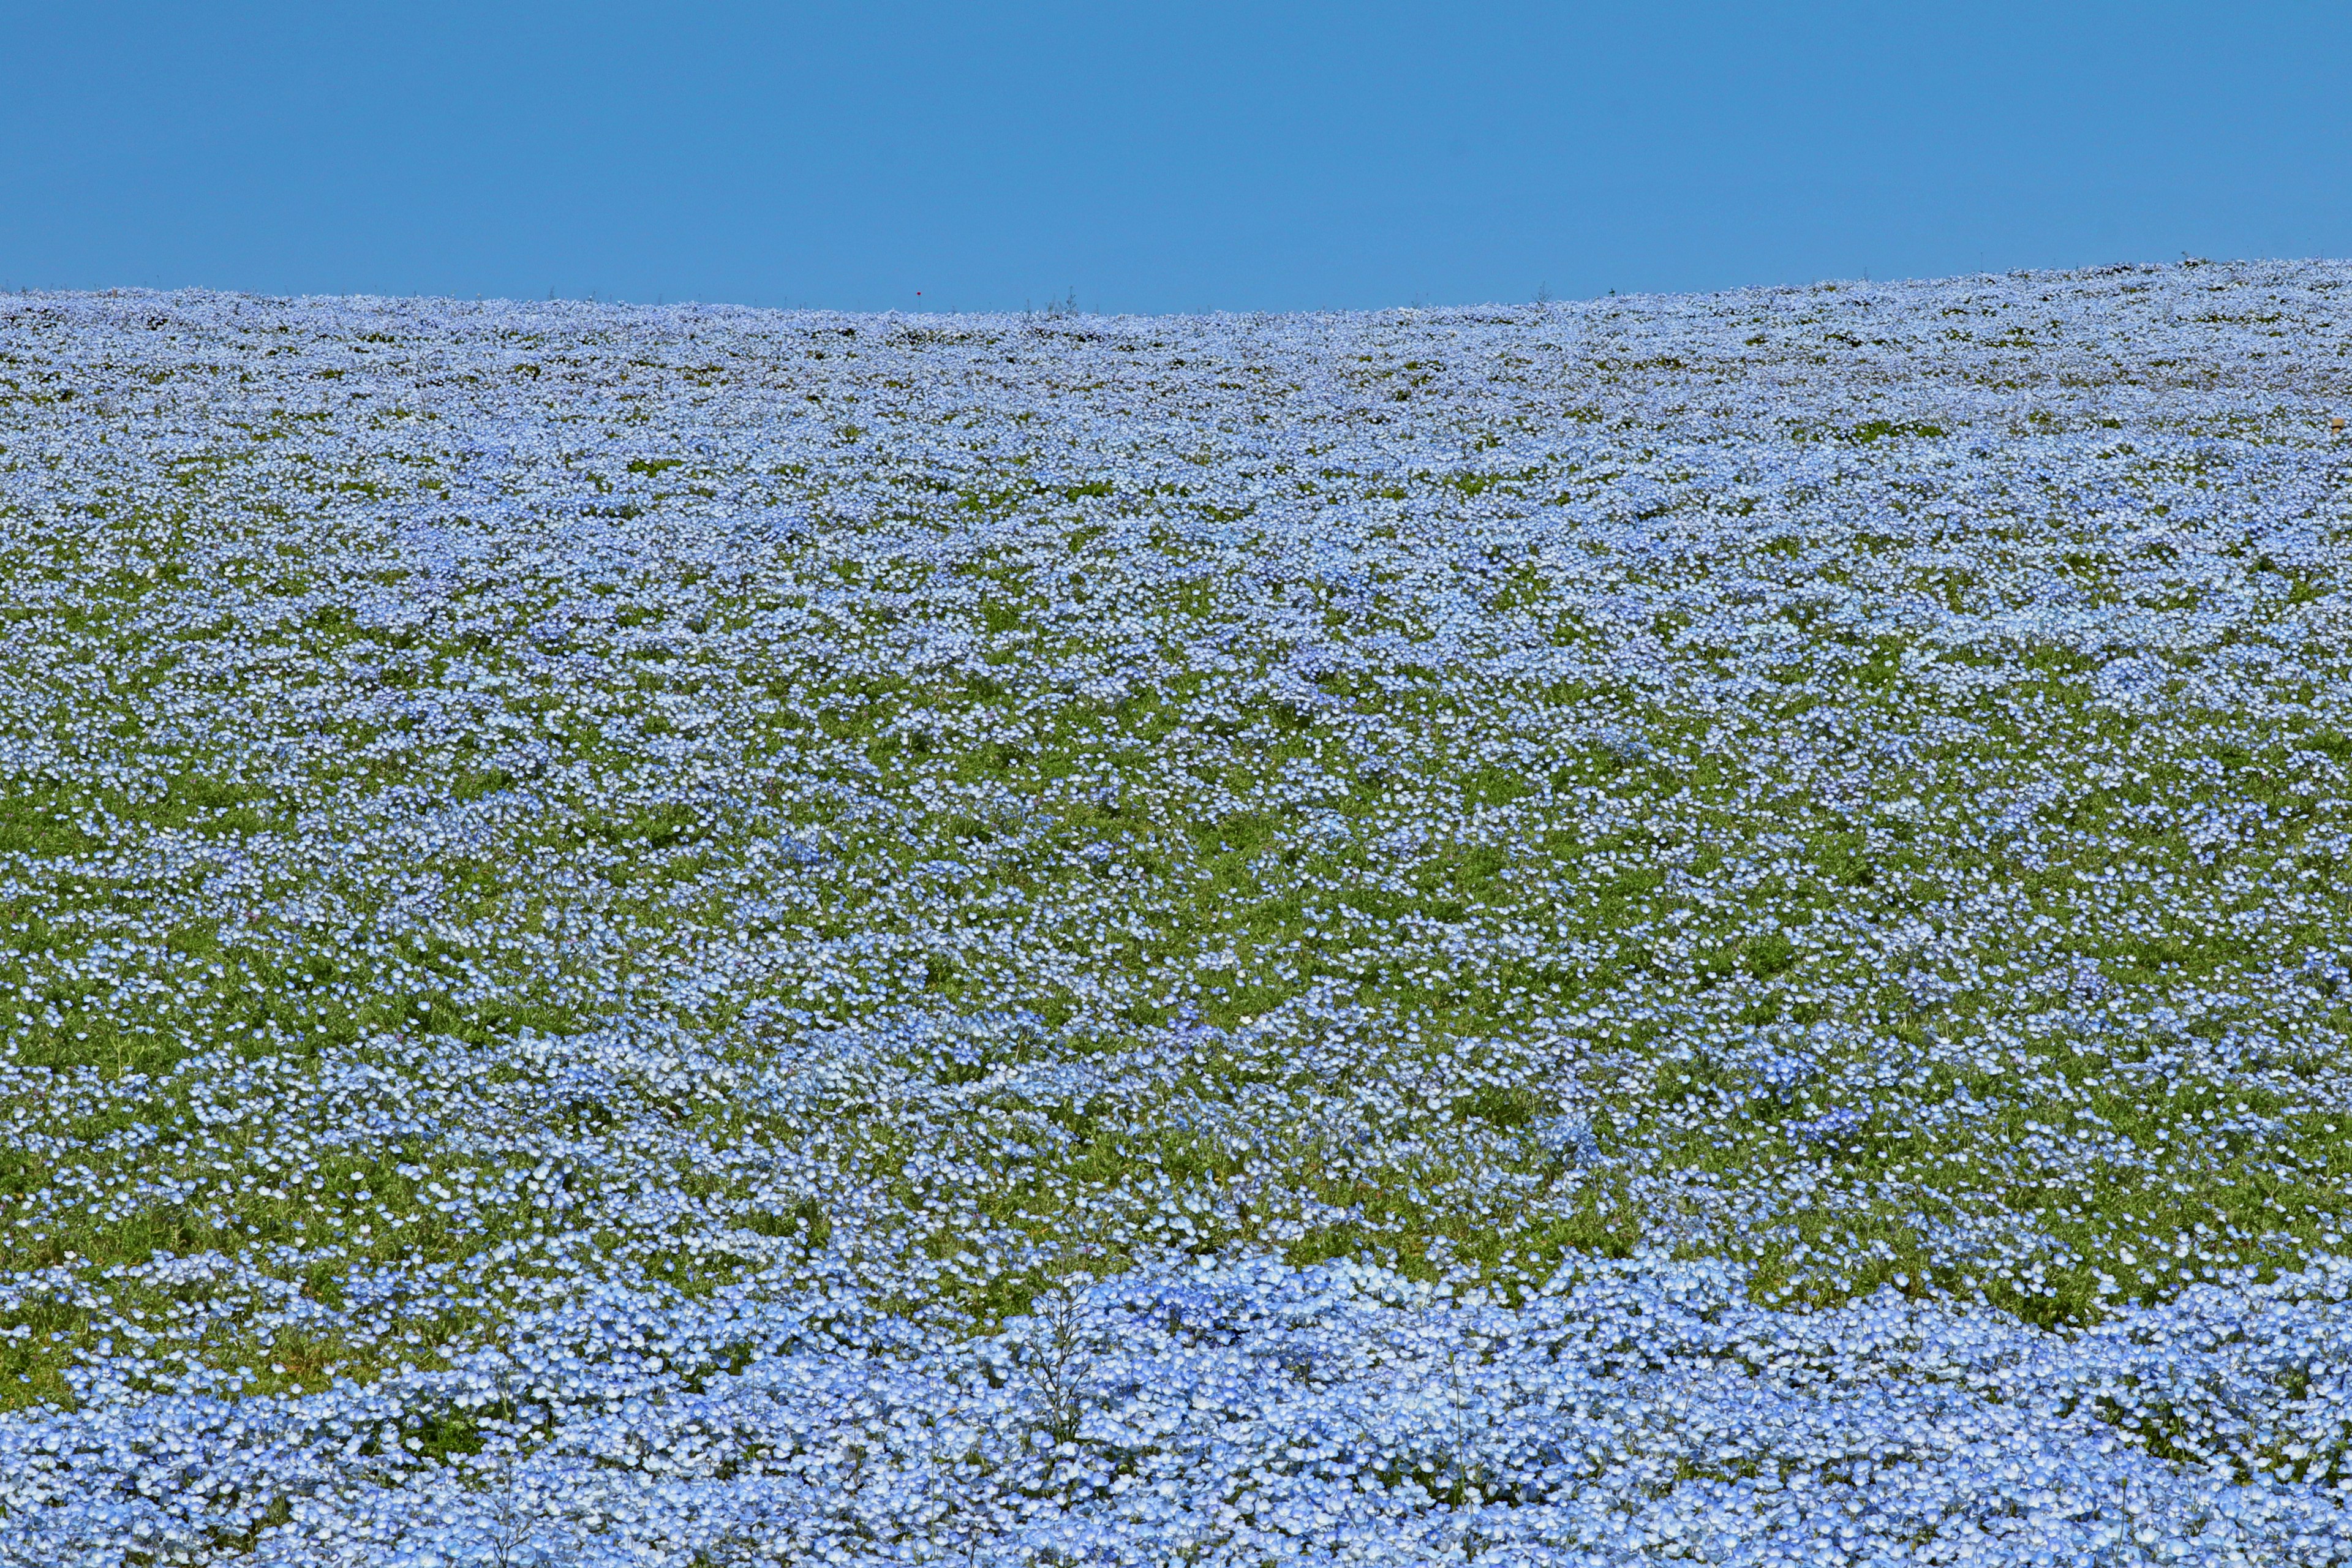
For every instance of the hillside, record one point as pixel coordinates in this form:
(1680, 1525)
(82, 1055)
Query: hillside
(1706, 927)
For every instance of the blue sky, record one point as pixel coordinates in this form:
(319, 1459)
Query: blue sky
(1154, 158)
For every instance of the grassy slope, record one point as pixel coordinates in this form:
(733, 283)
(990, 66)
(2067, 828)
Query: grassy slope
(1685, 705)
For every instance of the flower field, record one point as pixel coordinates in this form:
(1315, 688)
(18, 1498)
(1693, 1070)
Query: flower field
(1707, 929)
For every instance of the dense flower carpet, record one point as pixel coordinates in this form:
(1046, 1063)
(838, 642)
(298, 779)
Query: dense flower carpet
(1707, 929)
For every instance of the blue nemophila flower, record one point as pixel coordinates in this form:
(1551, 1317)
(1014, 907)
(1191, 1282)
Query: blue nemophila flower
(1831, 1126)
(1782, 1075)
(1568, 1135)
(699, 934)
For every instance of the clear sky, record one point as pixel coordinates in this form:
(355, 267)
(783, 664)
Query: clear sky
(1284, 155)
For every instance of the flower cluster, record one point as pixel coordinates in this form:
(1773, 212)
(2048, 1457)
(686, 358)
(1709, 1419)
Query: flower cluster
(1699, 928)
